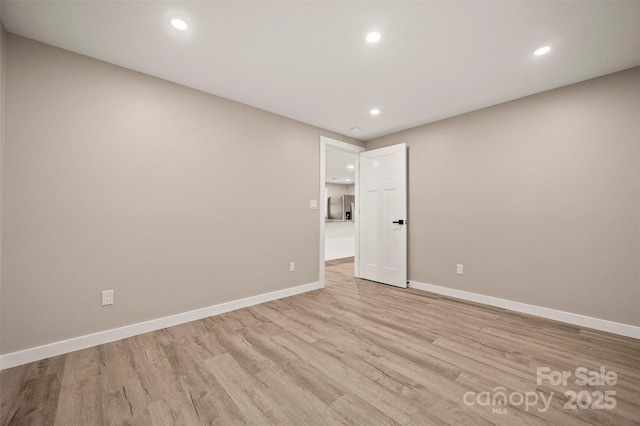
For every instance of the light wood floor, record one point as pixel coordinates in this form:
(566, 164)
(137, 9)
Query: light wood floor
(354, 353)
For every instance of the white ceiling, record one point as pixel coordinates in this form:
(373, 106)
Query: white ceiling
(336, 166)
(308, 60)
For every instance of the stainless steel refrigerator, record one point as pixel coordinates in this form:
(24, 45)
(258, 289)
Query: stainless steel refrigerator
(341, 207)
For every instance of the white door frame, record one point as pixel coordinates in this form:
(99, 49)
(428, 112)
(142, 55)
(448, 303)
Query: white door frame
(346, 147)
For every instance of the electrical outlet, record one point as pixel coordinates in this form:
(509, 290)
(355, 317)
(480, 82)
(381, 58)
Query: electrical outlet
(459, 269)
(107, 297)
(292, 266)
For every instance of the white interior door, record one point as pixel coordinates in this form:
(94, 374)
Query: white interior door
(383, 215)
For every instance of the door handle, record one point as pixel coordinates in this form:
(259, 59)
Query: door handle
(399, 222)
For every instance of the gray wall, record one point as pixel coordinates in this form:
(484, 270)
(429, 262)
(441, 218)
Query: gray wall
(538, 198)
(174, 198)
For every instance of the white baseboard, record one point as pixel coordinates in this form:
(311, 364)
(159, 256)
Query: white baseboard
(65, 346)
(338, 256)
(567, 317)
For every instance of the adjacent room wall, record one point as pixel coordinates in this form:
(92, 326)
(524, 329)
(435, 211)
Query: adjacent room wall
(339, 237)
(174, 198)
(538, 198)
(336, 190)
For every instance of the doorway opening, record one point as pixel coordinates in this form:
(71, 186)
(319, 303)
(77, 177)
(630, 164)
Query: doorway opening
(339, 166)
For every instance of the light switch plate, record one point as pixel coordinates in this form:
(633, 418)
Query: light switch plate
(313, 204)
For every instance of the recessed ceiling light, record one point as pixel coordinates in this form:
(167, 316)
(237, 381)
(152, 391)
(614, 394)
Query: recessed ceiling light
(351, 166)
(179, 24)
(375, 111)
(347, 180)
(373, 37)
(542, 51)
(355, 129)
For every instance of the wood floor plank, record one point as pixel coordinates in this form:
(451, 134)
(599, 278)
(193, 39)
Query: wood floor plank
(244, 390)
(80, 397)
(356, 411)
(174, 409)
(284, 321)
(296, 368)
(37, 402)
(394, 406)
(297, 404)
(11, 381)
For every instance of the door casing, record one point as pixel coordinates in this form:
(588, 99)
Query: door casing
(347, 147)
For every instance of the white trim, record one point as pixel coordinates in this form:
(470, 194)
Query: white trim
(65, 346)
(347, 147)
(323, 201)
(342, 146)
(562, 316)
